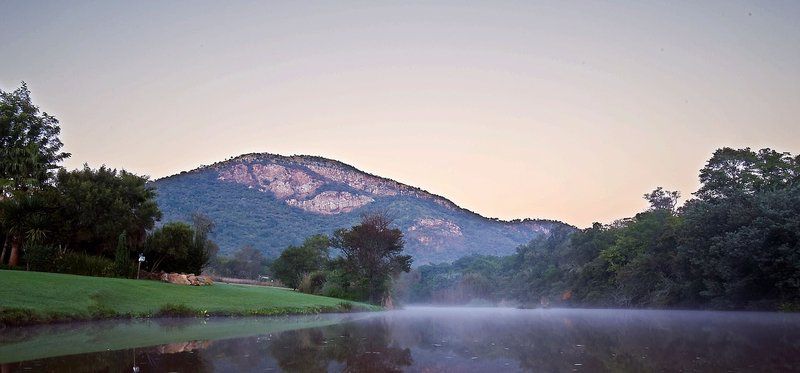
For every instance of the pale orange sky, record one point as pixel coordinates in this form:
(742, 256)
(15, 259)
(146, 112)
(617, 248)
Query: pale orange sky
(562, 110)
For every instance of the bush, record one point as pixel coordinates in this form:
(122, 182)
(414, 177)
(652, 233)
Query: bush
(312, 283)
(333, 290)
(340, 285)
(86, 265)
(42, 258)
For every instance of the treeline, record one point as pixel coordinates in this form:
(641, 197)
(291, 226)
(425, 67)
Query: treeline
(735, 245)
(86, 221)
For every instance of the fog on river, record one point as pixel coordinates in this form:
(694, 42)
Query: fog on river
(431, 339)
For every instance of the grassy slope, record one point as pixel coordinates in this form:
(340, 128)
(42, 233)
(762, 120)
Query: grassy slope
(52, 295)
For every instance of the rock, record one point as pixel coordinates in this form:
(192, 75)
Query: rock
(328, 203)
(180, 279)
(190, 279)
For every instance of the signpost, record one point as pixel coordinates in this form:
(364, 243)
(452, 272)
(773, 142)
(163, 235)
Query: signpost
(141, 259)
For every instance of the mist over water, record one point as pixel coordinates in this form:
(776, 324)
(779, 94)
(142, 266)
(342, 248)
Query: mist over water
(459, 339)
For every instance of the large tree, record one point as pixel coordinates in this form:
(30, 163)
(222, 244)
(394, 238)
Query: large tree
(372, 254)
(740, 172)
(203, 249)
(169, 246)
(96, 206)
(29, 151)
(296, 261)
(29, 144)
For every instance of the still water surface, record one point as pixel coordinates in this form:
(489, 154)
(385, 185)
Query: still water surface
(426, 339)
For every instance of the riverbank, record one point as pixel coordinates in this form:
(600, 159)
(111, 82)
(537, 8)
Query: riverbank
(37, 297)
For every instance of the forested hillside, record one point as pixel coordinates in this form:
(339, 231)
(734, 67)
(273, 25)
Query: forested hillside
(734, 245)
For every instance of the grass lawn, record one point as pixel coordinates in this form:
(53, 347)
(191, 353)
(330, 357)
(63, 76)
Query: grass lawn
(31, 297)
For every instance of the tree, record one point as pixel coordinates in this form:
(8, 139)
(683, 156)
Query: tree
(203, 249)
(23, 217)
(168, 247)
(29, 150)
(122, 256)
(29, 145)
(247, 262)
(294, 262)
(371, 253)
(96, 205)
(737, 172)
(661, 199)
(538, 267)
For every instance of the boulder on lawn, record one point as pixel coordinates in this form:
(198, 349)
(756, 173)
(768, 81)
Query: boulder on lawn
(190, 279)
(177, 278)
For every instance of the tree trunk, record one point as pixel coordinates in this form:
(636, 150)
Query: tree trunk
(3, 254)
(13, 260)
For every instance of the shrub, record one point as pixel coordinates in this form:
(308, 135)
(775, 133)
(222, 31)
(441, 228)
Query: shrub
(312, 283)
(86, 265)
(42, 258)
(333, 290)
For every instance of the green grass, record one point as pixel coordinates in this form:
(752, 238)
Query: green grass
(36, 297)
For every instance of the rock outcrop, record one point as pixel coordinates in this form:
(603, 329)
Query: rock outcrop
(327, 203)
(298, 181)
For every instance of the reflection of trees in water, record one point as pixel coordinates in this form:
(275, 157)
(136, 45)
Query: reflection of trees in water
(537, 340)
(361, 347)
(352, 347)
(151, 359)
(300, 351)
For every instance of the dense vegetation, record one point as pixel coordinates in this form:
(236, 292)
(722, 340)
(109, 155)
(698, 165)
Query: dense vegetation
(86, 221)
(369, 258)
(735, 245)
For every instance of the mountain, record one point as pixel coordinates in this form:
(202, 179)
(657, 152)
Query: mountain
(271, 201)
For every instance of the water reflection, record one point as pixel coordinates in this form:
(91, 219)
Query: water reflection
(457, 340)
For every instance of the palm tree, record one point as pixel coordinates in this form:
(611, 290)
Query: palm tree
(22, 220)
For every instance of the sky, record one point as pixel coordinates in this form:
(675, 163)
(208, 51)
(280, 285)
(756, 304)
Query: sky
(566, 110)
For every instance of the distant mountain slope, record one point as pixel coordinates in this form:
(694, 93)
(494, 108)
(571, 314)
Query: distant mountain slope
(272, 201)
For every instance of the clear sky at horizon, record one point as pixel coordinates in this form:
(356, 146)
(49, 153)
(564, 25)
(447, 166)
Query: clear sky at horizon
(561, 110)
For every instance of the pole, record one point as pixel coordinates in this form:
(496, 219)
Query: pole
(139, 268)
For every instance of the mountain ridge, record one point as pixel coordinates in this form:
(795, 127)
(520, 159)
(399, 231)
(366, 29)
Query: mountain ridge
(328, 192)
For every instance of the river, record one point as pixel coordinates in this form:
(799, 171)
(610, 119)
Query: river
(418, 339)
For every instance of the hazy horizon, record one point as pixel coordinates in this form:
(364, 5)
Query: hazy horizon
(567, 111)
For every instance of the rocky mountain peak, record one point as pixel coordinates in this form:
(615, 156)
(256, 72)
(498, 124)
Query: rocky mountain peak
(272, 201)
